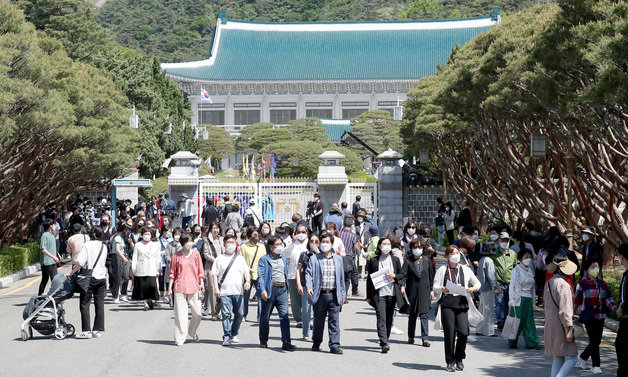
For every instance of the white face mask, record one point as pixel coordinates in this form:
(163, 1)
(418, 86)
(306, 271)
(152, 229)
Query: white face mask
(459, 236)
(386, 250)
(301, 237)
(455, 258)
(526, 262)
(189, 245)
(585, 237)
(475, 237)
(177, 237)
(325, 247)
(146, 237)
(230, 248)
(503, 245)
(411, 231)
(265, 231)
(360, 219)
(417, 252)
(493, 237)
(278, 250)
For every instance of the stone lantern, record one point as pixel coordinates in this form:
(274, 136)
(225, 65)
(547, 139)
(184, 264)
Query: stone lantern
(331, 179)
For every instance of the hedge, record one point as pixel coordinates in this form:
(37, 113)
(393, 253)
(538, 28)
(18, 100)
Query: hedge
(15, 258)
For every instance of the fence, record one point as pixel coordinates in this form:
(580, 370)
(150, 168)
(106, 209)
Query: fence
(369, 196)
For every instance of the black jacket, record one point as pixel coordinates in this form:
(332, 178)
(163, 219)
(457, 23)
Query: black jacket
(373, 294)
(418, 286)
(464, 217)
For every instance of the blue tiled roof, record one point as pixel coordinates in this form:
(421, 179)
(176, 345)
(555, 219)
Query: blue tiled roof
(334, 128)
(248, 51)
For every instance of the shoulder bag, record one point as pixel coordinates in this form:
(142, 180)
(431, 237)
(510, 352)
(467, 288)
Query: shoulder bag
(83, 277)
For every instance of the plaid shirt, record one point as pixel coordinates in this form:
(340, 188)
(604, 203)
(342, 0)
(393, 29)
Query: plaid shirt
(593, 294)
(329, 273)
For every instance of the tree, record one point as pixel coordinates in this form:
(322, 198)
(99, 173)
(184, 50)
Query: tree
(553, 70)
(378, 130)
(297, 158)
(308, 129)
(219, 145)
(63, 125)
(269, 137)
(352, 161)
(423, 9)
(242, 141)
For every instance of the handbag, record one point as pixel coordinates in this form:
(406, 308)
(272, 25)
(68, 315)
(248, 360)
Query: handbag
(83, 277)
(347, 263)
(511, 327)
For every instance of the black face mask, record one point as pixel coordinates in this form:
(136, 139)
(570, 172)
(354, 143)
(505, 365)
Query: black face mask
(196, 234)
(104, 223)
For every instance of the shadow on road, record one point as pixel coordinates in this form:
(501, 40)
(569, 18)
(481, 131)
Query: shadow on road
(418, 366)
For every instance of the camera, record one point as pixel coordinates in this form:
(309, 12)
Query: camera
(310, 209)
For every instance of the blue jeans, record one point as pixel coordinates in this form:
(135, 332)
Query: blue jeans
(561, 366)
(247, 296)
(228, 305)
(441, 231)
(501, 303)
(278, 299)
(306, 314)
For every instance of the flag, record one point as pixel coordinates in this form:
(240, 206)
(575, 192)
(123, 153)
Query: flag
(208, 162)
(273, 166)
(264, 163)
(253, 168)
(205, 96)
(245, 163)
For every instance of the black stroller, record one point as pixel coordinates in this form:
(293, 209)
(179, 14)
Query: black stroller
(45, 313)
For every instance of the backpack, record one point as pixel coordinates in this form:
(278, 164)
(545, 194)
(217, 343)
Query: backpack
(249, 220)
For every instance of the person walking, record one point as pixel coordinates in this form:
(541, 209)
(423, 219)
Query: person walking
(521, 300)
(252, 251)
(505, 261)
(306, 306)
(185, 278)
(49, 257)
(591, 249)
(419, 280)
(621, 341)
(593, 298)
(449, 217)
(488, 291)
(454, 308)
(349, 239)
(272, 290)
(384, 298)
(356, 206)
(293, 252)
(440, 219)
(558, 305)
(146, 266)
(212, 247)
(229, 273)
(317, 214)
(325, 283)
(93, 255)
(233, 219)
(119, 259)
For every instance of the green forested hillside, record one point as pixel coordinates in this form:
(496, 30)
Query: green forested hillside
(181, 30)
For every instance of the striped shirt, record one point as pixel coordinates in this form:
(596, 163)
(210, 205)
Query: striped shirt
(348, 239)
(329, 273)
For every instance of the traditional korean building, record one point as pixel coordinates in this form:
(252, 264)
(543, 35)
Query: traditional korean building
(277, 72)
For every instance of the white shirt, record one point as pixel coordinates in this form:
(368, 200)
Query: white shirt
(234, 281)
(56, 230)
(146, 259)
(187, 207)
(521, 284)
(88, 255)
(293, 252)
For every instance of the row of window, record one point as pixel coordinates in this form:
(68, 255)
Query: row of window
(246, 117)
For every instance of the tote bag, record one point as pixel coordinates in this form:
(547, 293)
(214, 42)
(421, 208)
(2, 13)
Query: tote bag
(511, 327)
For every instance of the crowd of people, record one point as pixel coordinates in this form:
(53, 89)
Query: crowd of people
(308, 269)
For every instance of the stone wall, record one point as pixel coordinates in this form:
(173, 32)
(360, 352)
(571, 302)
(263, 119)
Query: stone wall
(419, 203)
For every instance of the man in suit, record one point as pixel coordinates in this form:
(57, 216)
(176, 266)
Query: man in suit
(356, 206)
(591, 249)
(325, 283)
(464, 218)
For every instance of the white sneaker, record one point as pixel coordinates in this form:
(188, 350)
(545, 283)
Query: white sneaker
(583, 363)
(84, 335)
(235, 340)
(596, 370)
(96, 334)
(125, 298)
(396, 331)
(116, 300)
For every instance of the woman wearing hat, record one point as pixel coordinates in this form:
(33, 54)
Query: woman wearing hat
(558, 304)
(591, 249)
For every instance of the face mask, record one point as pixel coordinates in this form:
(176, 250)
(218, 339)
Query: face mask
(503, 245)
(146, 237)
(360, 219)
(594, 272)
(265, 232)
(168, 235)
(325, 247)
(475, 237)
(386, 250)
(104, 223)
(417, 252)
(411, 231)
(459, 236)
(585, 237)
(230, 248)
(165, 223)
(313, 245)
(196, 234)
(455, 258)
(493, 237)
(301, 236)
(526, 262)
(177, 237)
(141, 223)
(278, 251)
(189, 245)
(254, 239)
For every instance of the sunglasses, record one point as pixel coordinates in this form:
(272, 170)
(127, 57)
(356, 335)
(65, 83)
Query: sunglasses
(314, 241)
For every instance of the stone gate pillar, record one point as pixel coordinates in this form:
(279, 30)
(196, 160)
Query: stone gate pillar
(390, 192)
(331, 179)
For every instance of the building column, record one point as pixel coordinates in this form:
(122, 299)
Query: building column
(229, 119)
(265, 110)
(390, 182)
(300, 107)
(337, 111)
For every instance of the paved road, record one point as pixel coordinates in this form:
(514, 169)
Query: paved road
(141, 344)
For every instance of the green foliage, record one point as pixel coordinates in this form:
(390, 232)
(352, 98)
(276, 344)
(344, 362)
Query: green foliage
(181, 30)
(378, 130)
(614, 285)
(296, 158)
(243, 141)
(219, 145)
(352, 161)
(308, 129)
(269, 137)
(360, 176)
(15, 258)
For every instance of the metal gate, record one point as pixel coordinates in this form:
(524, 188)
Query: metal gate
(280, 200)
(239, 193)
(369, 196)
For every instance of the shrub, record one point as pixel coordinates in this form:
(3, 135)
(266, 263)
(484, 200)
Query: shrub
(15, 258)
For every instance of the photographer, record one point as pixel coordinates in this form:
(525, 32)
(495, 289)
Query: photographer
(317, 214)
(78, 218)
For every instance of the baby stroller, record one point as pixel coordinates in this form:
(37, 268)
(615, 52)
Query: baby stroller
(45, 313)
